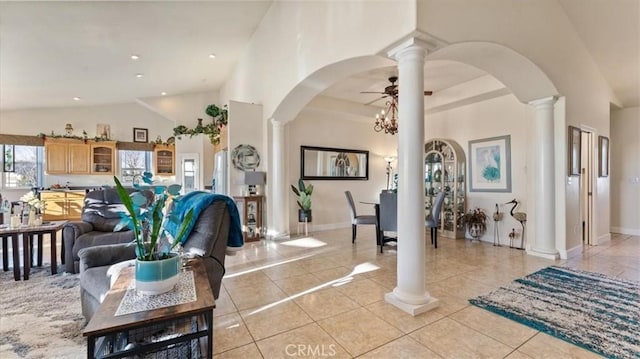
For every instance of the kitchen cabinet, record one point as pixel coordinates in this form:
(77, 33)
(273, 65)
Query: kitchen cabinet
(444, 167)
(63, 205)
(164, 158)
(103, 155)
(66, 156)
(77, 157)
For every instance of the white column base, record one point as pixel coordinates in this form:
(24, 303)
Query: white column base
(273, 235)
(546, 255)
(413, 309)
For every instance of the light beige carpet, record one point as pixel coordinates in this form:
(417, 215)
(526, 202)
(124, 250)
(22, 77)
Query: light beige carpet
(41, 317)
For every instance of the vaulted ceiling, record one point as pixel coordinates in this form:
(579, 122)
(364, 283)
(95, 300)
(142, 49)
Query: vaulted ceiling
(51, 52)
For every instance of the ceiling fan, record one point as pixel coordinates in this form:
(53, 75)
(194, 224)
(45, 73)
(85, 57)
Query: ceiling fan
(391, 90)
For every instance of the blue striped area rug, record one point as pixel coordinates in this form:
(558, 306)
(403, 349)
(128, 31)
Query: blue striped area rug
(591, 310)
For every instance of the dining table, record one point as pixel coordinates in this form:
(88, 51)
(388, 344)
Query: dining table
(28, 232)
(381, 239)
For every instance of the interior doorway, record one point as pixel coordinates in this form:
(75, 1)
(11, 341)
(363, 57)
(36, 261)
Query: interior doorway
(586, 186)
(189, 174)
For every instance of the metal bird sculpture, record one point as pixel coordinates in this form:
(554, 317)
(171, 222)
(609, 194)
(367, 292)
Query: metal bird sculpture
(520, 217)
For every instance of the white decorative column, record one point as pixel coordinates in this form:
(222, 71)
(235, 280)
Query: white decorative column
(410, 294)
(544, 243)
(279, 194)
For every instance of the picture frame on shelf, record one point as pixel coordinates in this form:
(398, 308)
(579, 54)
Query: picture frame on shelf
(490, 164)
(140, 135)
(603, 156)
(574, 151)
(103, 131)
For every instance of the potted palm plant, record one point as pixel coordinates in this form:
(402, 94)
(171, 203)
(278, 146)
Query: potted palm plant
(475, 222)
(157, 267)
(304, 200)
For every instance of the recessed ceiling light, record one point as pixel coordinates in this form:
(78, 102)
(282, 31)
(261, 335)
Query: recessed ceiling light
(212, 56)
(77, 99)
(139, 75)
(135, 57)
(163, 93)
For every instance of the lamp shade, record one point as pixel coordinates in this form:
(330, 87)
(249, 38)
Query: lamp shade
(254, 178)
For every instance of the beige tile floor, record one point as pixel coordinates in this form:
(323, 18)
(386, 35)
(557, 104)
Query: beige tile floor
(296, 298)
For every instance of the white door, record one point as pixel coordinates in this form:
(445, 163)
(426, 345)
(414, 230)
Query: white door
(189, 176)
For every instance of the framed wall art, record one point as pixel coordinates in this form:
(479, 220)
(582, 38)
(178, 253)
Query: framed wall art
(603, 156)
(140, 135)
(574, 151)
(490, 164)
(103, 131)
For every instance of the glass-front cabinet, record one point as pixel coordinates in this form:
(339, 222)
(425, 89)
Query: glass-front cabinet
(444, 167)
(103, 157)
(164, 159)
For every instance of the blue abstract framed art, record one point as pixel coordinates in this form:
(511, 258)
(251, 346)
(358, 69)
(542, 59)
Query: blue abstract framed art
(490, 164)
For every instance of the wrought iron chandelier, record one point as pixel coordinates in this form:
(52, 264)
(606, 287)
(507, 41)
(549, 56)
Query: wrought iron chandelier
(388, 120)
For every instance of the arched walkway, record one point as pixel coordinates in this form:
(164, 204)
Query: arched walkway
(526, 81)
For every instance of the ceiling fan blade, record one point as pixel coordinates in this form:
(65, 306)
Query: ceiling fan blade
(428, 93)
(372, 92)
(370, 102)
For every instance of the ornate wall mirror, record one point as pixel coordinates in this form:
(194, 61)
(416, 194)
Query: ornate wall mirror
(324, 163)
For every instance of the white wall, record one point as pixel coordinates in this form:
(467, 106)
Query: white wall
(625, 171)
(183, 109)
(500, 116)
(329, 204)
(541, 31)
(297, 38)
(245, 128)
(122, 118)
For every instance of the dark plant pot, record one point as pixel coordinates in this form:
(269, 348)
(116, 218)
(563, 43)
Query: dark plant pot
(304, 216)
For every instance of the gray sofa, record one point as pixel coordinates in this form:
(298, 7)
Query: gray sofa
(101, 265)
(100, 215)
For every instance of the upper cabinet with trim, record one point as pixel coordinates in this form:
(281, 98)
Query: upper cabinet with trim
(103, 155)
(66, 156)
(164, 159)
(72, 156)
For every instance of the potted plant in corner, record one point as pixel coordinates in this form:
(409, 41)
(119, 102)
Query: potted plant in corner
(475, 221)
(157, 267)
(304, 200)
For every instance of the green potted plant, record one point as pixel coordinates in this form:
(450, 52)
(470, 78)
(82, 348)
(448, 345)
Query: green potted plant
(156, 267)
(304, 200)
(212, 129)
(475, 221)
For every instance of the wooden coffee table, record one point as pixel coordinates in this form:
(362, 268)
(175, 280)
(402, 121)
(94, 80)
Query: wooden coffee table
(50, 228)
(191, 323)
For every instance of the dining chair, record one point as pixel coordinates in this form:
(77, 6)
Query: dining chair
(355, 219)
(388, 214)
(433, 218)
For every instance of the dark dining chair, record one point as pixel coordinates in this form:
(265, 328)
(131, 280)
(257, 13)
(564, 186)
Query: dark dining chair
(388, 213)
(358, 219)
(433, 218)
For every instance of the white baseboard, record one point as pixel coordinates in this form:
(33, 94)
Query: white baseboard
(321, 227)
(565, 254)
(604, 238)
(629, 231)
